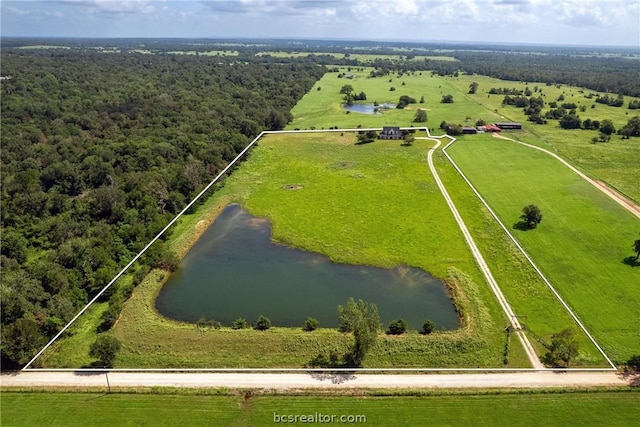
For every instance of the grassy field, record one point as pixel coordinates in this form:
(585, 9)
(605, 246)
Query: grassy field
(615, 162)
(207, 53)
(580, 244)
(527, 294)
(611, 408)
(323, 108)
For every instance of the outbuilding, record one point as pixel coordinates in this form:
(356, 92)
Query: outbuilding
(469, 130)
(509, 125)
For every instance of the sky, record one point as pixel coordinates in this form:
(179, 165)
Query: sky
(570, 22)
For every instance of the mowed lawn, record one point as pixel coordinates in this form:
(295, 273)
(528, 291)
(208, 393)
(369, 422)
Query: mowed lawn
(613, 408)
(581, 243)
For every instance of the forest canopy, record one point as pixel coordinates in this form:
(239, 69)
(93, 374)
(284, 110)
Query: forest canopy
(99, 152)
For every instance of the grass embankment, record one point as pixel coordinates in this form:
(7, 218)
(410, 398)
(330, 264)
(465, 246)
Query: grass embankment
(350, 195)
(615, 162)
(580, 244)
(518, 408)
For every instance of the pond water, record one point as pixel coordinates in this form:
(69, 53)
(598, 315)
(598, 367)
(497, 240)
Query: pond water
(235, 270)
(367, 108)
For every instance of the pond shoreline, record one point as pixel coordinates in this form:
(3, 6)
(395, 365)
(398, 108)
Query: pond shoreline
(237, 256)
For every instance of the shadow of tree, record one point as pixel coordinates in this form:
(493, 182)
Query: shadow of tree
(334, 377)
(523, 226)
(631, 261)
(631, 376)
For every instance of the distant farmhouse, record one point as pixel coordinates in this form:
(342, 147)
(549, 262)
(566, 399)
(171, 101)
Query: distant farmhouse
(391, 132)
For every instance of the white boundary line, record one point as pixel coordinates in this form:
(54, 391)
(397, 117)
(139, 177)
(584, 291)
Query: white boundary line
(251, 144)
(171, 370)
(542, 276)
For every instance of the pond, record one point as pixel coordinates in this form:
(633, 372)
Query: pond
(235, 270)
(368, 108)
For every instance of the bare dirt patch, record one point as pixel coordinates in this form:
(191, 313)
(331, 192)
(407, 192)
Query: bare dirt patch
(291, 187)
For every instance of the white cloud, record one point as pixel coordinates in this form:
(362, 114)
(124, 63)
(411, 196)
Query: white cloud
(115, 6)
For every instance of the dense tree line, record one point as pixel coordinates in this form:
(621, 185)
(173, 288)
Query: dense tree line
(99, 152)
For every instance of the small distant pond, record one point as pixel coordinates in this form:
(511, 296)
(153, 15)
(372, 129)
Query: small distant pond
(235, 270)
(368, 108)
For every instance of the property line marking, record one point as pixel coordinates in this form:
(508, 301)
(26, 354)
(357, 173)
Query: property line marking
(27, 366)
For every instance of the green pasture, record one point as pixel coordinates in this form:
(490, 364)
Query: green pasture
(350, 195)
(530, 298)
(611, 408)
(615, 162)
(581, 243)
(323, 108)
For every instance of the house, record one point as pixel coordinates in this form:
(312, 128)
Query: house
(509, 125)
(469, 130)
(391, 132)
(492, 128)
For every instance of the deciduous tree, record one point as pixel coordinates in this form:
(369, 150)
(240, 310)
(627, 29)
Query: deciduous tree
(420, 116)
(363, 320)
(563, 348)
(531, 216)
(105, 348)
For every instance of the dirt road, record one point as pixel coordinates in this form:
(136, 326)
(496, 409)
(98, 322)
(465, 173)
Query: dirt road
(286, 381)
(617, 197)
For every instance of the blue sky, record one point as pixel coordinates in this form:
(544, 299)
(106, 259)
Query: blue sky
(582, 22)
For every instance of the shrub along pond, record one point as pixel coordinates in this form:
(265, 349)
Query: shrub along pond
(235, 270)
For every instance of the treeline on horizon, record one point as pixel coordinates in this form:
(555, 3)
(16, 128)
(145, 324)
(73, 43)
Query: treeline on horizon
(605, 69)
(99, 152)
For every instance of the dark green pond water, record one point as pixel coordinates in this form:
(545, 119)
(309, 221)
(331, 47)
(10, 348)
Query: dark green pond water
(234, 270)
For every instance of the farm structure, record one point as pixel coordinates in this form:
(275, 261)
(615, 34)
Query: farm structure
(391, 132)
(508, 125)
